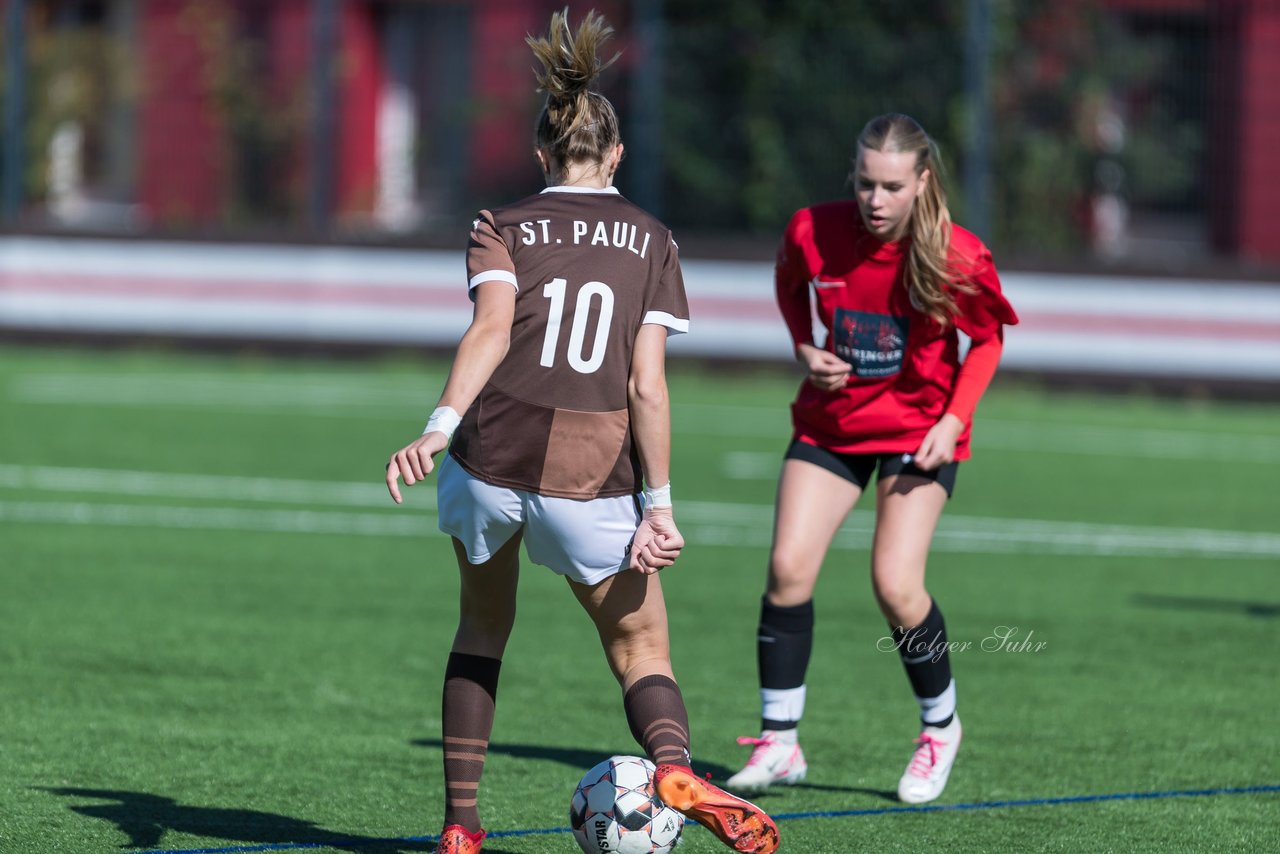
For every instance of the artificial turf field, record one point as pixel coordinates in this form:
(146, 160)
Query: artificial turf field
(220, 635)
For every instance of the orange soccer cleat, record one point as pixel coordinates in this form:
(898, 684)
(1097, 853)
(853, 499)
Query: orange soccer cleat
(456, 839)
(741, 825)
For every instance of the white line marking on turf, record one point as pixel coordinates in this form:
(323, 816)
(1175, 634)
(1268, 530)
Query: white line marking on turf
(1018, 539)
(751, 465)
(751, 524)
(218, 518)
(705, 522)
(210, 486)
(301, 391)
(375, 395)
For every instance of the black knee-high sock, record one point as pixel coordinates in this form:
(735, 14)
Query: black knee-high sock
(658, 719)
(925, 656)
(783, 646)
(470, 695)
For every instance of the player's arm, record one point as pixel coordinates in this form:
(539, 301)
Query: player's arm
(483, 346)
(975, 374)
(482, 349)
(657, 542)
(982, 312)
(791, 278)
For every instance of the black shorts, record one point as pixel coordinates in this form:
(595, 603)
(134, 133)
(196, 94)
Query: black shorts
(858, 468)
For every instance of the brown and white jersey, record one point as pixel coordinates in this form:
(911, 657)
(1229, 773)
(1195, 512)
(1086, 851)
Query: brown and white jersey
(589, 269)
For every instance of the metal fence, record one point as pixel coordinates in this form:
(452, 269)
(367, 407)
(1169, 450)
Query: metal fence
(1097, 133)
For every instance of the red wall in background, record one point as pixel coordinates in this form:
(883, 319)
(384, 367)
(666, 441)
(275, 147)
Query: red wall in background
(359, 87)
(503, 87)
(184, 152)
(289, 54)
(1244, 120)
(502, 91)
(182, 159)
(1257, 130)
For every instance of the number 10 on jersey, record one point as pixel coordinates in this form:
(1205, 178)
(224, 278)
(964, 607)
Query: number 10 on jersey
(554, 290)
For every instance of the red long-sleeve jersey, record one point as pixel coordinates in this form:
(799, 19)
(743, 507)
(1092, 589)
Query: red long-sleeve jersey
(835, 279)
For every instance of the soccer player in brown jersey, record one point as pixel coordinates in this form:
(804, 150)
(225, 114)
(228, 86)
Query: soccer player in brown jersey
(558, 398)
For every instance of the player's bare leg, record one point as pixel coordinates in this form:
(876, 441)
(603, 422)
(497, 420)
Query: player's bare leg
(487, 611)
(907, 513)
(812, 504)
(908, 509)
(630, 616)
(487, 600)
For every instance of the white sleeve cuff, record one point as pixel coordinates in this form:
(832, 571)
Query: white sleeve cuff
(494, 276)
(674, 324)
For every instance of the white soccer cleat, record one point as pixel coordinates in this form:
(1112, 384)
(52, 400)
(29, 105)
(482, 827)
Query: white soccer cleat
(926, 775)
(771, 762)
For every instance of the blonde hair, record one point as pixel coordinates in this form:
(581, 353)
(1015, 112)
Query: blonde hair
(929, 270)
(576, 124)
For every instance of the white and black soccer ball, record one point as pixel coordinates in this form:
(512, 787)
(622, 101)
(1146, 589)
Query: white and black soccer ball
(616, 810)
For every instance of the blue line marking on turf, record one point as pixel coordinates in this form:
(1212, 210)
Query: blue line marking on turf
(980, 805)
(1033, 802)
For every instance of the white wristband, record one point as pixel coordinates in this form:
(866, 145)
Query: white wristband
(444, 420)
(658, 497)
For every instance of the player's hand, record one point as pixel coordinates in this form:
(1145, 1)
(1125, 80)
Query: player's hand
(657, 541)
(827, 371)
(414, 462)
(939, 445)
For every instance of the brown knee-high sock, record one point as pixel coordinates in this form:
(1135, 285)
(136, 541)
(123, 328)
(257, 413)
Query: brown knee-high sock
(470, 694)
(658, 719)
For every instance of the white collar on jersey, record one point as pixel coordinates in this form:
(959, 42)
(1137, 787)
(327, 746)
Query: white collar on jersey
(565, 188)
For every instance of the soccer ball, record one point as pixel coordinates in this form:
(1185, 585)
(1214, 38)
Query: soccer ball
(616, 810)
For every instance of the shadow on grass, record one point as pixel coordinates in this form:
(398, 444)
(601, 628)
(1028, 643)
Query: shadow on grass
(145, 819)
(1207, 604)
(882, 794)
(582, 760)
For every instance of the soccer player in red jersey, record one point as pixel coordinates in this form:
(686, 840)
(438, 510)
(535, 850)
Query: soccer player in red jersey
(558, 397)
(874, 292)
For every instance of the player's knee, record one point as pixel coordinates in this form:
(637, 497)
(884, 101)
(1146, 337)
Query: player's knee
(637, 638)
(902, 601)
(488, 622)
(791, 576)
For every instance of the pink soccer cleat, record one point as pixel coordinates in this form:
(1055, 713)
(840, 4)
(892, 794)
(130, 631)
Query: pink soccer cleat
(926, 774)
(771, 762)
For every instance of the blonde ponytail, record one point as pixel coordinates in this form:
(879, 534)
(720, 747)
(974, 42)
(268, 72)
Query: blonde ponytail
(930, 274)
(576, 124)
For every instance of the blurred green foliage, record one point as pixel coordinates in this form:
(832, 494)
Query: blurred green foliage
(265, 125)
(766, 100)
(73, 72)
(762, 103)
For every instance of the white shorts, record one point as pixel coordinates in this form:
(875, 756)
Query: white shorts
(585, 540)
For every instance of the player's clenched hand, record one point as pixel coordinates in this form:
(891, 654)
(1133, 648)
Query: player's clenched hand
(657, 541)
(939, 445)
(414, 462)
(827, 371)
